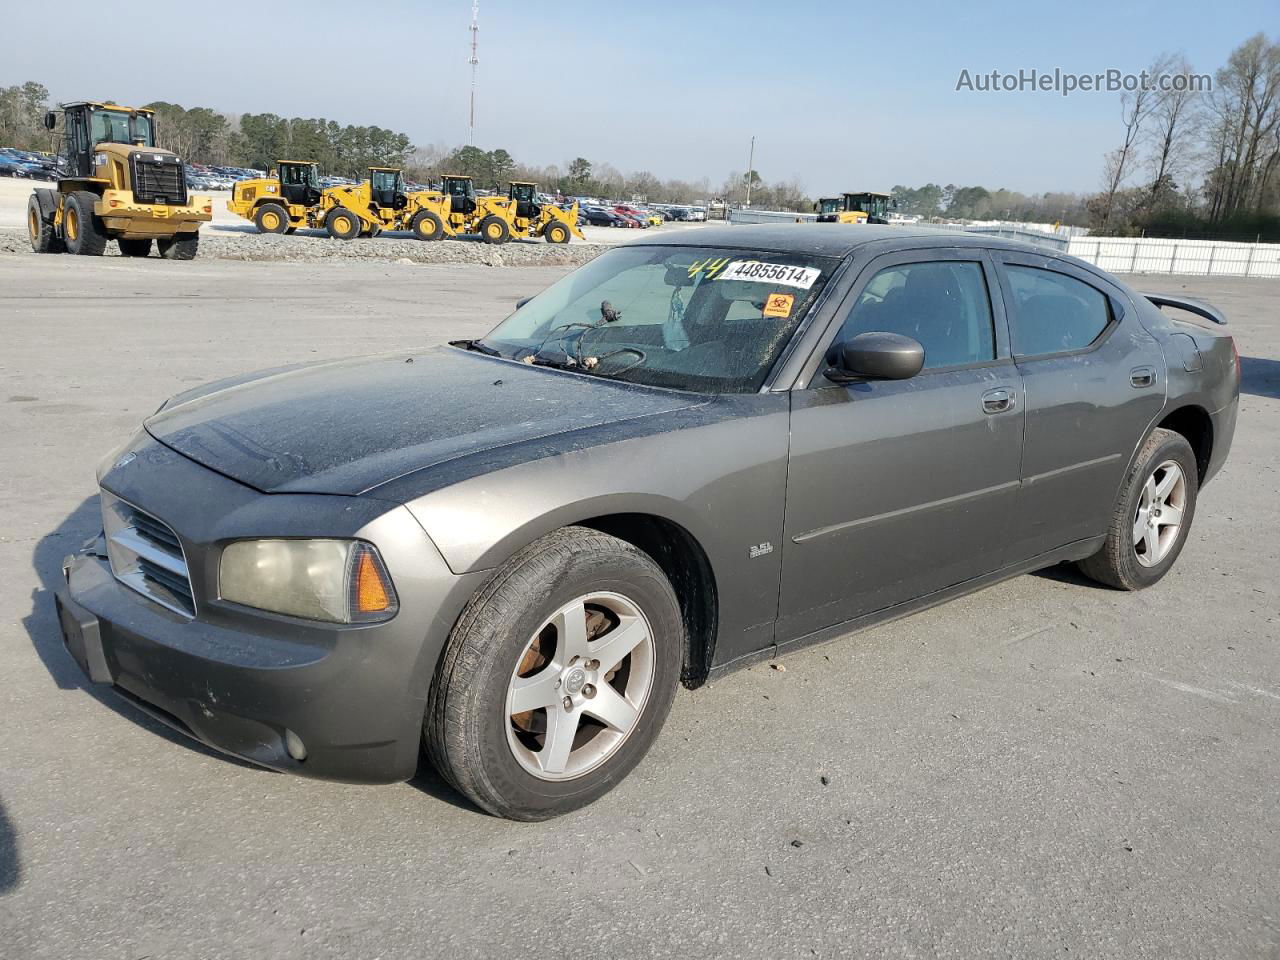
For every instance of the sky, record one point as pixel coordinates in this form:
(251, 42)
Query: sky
(841, 96)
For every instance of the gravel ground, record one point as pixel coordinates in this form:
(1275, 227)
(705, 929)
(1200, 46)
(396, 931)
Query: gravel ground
(1045, 768)
(312, 245)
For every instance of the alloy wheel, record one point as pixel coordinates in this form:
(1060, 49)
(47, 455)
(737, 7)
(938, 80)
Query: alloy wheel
(1157, 522)
(580, 686)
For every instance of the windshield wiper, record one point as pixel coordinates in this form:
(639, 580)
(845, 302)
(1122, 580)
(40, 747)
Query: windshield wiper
(478, 347)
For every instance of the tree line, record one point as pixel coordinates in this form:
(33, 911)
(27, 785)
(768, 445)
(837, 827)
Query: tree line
(206, 136)
(1198, 163)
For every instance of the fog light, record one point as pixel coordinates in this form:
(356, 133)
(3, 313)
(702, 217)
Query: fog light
(293, 743)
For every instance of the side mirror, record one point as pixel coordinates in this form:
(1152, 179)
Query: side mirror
(875, 356)
(521, 303)
(50, 120)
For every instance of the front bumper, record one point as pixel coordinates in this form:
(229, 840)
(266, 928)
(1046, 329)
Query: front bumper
(122, 215)
(250, 683)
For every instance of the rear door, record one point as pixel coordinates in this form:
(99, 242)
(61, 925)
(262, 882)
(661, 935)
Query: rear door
(896, 489)
(1094, 379)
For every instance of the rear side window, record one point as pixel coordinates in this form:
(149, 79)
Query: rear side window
(1054, 312)
(943, 304)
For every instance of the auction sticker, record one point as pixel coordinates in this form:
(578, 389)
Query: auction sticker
(758, 271)
(779, 304)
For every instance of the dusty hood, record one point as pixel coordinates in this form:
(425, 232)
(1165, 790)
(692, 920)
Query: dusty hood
(347, 427)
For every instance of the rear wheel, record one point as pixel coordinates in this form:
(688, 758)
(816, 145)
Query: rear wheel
(43, 237)
(184, 246)
(494, 229)
(558, 676)
(556, 232)
(271, 218)
(1151, 519)
(427, 225)
(342, 224)
(82, 231)
(136, 247)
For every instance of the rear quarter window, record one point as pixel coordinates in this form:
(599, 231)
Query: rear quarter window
(1054, 312)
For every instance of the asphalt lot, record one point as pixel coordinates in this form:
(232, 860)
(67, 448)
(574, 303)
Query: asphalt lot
(1046, 768)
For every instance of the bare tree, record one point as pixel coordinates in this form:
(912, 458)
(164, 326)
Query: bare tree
(1175, 118)
(1135, 106)
(1246, 113)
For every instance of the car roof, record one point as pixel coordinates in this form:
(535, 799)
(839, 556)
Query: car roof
(835, 239)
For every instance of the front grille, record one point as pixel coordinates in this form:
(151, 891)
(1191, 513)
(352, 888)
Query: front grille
(146, 555)
(159, 178)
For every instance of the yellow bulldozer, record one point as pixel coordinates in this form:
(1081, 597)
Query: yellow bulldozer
(867, 207)
(497, 219)
(293, 198)
(116, 185)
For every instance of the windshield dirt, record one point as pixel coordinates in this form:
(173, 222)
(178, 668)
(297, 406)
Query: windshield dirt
(711, 320)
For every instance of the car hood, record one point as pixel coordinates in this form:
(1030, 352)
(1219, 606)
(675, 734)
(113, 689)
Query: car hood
(350, 426)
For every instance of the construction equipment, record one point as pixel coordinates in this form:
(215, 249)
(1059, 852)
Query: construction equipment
(497, 219)
(383, 203)
(293, 198)
(281, 203)
(116, 185)
(867, 207)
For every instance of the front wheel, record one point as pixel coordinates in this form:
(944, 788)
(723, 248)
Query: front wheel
(184, 246)
(494, 229)
(558, 676)
(1150, 523)
(556, 233)
(427, 225)
(43, 237)
(342, 224)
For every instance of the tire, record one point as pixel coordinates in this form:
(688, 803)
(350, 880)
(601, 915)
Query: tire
(486, 751)
(82, 231)
(43, 237)
(182, 246)
(427, 225)
(556, 232)
(271, 218)
(342, 224)
(137, 247)
(1166, 468)
(494, 229)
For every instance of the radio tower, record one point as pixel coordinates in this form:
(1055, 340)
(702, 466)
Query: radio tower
(475, 29)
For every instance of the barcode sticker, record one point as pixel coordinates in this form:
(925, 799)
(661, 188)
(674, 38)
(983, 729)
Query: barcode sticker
(758, 271)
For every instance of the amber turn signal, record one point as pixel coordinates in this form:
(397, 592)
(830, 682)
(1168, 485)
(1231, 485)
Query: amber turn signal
(372, 593)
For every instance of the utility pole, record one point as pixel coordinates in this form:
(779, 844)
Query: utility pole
(475, 29)
(751, 162)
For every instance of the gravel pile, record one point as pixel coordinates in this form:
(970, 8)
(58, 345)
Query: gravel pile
(307, 247)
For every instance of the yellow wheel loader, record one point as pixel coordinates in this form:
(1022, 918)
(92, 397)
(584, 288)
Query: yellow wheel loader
(281, 203)
(116, 185)
(869, 207)
(498, 219)
(383, 203)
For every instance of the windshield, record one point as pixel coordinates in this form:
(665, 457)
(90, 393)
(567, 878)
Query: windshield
(828, 206)
(693, 318)
(112, 126)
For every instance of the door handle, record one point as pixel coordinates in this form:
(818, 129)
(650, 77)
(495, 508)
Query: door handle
(997, 401)
(1142, 376)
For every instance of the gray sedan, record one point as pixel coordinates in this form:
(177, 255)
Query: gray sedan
(683, 457)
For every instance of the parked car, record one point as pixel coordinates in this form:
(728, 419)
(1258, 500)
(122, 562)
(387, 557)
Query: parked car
(633, 216)
(600, 217)
(512, 550)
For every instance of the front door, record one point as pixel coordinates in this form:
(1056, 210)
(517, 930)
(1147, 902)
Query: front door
(896, 489)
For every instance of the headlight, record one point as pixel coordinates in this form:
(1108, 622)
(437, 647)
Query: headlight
(341, 581)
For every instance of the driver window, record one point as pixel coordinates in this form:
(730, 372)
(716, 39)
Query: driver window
(942, 304)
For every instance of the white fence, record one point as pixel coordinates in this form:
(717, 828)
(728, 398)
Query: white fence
(1202, 258)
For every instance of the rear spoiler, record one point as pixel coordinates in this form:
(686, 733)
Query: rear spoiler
(1198, 307)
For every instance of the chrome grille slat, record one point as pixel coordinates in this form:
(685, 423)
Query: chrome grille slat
(146, 555)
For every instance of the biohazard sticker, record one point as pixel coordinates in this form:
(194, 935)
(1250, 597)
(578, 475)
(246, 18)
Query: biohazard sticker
(758, 271)
(779, 304)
